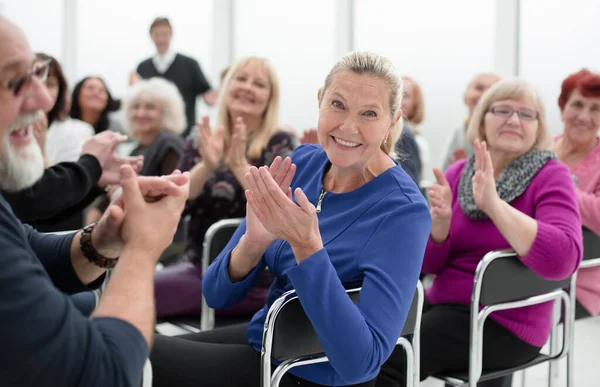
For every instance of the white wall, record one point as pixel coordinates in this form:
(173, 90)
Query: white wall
(439, 43)
(558, 38)
(41, 21)
(299, 38)
(113, 35)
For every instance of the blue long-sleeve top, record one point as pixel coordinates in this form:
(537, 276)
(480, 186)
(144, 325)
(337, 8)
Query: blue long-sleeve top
(45, 339)
(376, 235)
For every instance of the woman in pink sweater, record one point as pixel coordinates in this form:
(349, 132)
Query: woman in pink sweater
(512, 194)
(579, 149)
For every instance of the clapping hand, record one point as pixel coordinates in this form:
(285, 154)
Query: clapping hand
(484, 184)
(295, 223)
(235, 157)
(210, 145)
(440, 196)
(282, 172)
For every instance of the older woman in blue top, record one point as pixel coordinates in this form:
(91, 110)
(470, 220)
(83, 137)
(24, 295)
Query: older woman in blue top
(335, 214)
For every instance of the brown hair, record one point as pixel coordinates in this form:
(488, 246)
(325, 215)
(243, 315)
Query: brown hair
(419, 114)
(160, 21)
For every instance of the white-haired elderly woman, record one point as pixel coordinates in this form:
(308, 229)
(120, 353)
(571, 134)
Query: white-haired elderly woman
(154, 117)
(339, 214)
(512, 193)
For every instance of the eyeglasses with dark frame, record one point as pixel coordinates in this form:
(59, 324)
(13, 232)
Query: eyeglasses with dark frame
(39, 72)
(506, 111)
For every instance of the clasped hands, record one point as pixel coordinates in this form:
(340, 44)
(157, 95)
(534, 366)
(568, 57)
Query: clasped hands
(144, 215)
(272, 214)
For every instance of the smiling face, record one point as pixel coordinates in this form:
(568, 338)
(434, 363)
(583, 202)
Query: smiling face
(249, 91)
(93, 95)
(582, 118)
(21, 162)
(146, 117)
(354, 119)
(513, 134)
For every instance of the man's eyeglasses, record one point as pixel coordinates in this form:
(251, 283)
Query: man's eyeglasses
(39, 72)
(506, 111)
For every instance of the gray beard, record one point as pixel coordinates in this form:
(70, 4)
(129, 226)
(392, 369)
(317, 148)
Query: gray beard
(20, 168)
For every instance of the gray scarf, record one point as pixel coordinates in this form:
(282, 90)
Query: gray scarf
(513, 181)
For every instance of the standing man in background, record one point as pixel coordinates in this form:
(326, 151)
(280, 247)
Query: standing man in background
(182, 70)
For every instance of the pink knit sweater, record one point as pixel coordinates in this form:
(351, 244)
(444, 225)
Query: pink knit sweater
(587, 172)
(555, 253)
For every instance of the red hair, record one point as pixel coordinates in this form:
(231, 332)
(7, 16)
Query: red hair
(586, 81)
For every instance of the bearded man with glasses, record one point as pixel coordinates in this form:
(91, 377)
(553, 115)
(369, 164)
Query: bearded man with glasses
(46, 340)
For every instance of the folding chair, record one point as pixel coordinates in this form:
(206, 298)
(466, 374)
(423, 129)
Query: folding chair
(289, 338)
(492, 292)
(216, 238)
(591, 249)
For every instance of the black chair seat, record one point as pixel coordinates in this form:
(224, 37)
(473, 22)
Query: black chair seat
(489, 375)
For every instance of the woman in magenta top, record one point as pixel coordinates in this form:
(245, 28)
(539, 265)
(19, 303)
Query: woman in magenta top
(512, 194)
(579, 149)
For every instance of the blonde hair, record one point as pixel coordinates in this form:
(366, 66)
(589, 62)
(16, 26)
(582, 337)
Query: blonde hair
(419, 114)
(258, 139)
(164, 94)
(375, 65)
(515, 89)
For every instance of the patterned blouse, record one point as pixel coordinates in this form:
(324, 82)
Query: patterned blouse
(222, 196)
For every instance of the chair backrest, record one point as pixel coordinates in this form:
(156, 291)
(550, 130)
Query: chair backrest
(217, 236)
(502, 277)
(591, 244)
(294, 336)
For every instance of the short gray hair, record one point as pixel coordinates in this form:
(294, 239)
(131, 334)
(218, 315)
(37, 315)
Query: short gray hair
(369, 63)
(166, 95)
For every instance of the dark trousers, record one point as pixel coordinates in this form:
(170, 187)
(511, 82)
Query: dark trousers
(445, 347)
(218, 358)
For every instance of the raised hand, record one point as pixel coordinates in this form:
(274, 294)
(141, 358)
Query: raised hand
(484, 183)
(310, 137)
(110, 169)
(235, 156)
(107, 234)
(440, 196)
(295, 223)
(210, 145)
(282, 172)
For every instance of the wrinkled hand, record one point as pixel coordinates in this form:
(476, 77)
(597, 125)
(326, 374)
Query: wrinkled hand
(295, 223)
(310, 137)
(235, 156)
(111, 170)
(484, 184)
(440, 197)
(106, 236)
(210, 145)
(102, 146)
(282, 172)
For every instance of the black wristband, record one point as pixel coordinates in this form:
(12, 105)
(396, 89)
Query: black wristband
(90, 252)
